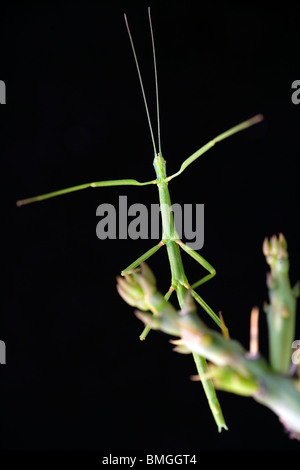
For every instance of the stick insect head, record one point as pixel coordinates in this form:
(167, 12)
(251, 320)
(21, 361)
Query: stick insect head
(159, 164)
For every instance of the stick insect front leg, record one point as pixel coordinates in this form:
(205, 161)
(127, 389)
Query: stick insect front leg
(97, 184)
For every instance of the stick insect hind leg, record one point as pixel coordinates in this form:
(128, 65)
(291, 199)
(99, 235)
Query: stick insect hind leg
(212, 273)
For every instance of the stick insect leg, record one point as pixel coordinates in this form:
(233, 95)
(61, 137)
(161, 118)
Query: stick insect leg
(169, 293)
(97, 184)
(243, 125)
(207, 308)
(206, 278)
(142, 258)
(202, 261)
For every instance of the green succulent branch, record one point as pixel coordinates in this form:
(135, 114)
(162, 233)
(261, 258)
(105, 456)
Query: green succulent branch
(281, 312)
(231, 367)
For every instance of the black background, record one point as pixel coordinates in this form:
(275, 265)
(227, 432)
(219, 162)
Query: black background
(77, 376)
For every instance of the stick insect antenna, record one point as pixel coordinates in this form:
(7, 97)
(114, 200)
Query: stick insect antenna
(156, 82)
(141, 83)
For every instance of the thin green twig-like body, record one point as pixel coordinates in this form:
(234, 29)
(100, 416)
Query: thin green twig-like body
(170, 238)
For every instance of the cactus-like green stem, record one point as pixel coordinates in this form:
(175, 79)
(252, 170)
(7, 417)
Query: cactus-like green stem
(232, 368)
(281, 312)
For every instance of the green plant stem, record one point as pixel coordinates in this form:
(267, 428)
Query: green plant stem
(232, 368)
(281, 312)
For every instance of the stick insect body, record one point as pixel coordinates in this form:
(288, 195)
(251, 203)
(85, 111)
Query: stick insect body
(170, 238)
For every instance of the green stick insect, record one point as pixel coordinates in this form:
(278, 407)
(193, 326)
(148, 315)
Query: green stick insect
(170, 238)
